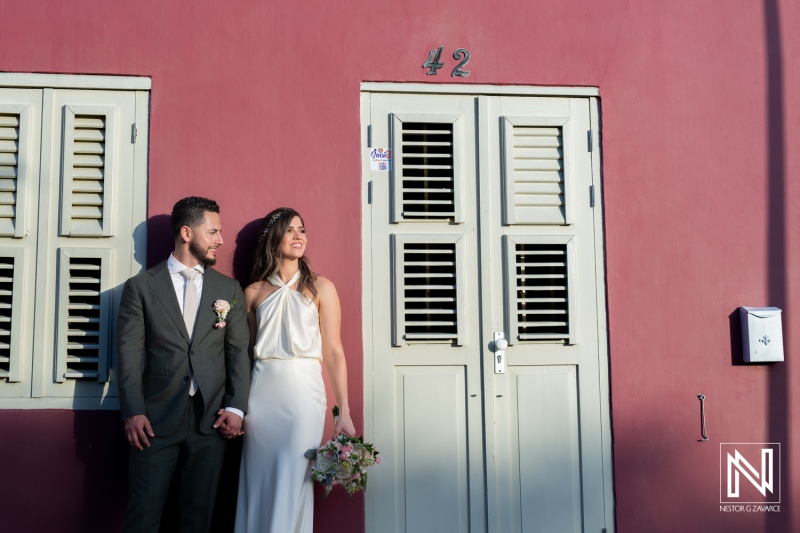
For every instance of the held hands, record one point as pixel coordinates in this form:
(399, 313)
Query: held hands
(229, 424)
(137, 429)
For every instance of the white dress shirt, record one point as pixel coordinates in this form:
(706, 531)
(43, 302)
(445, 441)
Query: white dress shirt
(175, 268)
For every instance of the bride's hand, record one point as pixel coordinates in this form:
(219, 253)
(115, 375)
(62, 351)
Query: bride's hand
(344, 425)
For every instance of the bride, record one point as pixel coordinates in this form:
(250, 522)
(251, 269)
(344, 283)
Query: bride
(294, 318)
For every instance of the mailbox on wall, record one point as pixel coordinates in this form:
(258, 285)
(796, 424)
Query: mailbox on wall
(762, 334)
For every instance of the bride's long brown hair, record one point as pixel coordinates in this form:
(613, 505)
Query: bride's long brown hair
(267, 255)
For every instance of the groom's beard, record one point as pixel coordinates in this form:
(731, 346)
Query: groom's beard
(201, 254)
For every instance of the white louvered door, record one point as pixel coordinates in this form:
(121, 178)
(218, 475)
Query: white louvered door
(484, 225)
(427, 351)
(549, 438)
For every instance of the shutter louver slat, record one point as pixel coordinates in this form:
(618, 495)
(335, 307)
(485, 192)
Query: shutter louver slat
(88, 173)
(429, 292)
(9, 170)
(84, 327)
(427, 170)
(542, 301)
(6, 305)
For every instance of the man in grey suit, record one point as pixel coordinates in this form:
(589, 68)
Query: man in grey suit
(184, 372)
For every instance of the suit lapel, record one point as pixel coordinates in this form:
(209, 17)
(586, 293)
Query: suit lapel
(206, 316)
(161, 283)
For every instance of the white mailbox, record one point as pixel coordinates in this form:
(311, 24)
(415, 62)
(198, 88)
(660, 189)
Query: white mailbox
(762, 334)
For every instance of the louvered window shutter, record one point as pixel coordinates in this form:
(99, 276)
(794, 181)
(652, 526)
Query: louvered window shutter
(88, 166)
(539, 306)
(15, 167)
(428, 289)
(536, 171)
(9, 169)
(11, 269)
(84, 314)
(426, 174)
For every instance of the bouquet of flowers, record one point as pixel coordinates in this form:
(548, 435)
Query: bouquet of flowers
(343, 461)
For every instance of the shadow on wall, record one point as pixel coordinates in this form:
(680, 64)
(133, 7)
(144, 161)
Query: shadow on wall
(159, 239)
(104, 454)
(777, 404)
(246, 241)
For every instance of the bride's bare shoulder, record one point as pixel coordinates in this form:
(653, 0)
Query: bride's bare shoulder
(257, 292)
(325, 288)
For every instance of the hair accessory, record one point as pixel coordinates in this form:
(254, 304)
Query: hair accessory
(272, 220)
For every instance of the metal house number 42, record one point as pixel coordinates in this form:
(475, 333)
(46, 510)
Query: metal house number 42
(433, 63)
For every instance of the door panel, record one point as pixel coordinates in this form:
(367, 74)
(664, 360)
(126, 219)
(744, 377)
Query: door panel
(433, 438)
(545, 475)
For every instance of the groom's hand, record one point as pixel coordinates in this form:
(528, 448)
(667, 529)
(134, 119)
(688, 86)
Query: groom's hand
(229, 424)
(137, 429)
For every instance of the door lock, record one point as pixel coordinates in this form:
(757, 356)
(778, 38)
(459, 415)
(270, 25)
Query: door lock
(500, 345)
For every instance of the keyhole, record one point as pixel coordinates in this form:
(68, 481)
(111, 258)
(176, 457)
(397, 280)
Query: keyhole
(499, 359)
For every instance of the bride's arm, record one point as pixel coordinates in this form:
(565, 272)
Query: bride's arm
(330, 321)
(250, 299)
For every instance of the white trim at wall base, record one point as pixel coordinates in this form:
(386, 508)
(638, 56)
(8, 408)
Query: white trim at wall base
(505, 90)
(75, 81)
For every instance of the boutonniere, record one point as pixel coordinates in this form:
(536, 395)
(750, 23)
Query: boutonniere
(222, 308)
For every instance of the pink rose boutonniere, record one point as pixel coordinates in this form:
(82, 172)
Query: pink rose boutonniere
(222, 308)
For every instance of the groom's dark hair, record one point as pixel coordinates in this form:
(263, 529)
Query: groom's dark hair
(191, 212)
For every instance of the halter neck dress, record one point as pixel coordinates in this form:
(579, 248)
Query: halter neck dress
(285, 416)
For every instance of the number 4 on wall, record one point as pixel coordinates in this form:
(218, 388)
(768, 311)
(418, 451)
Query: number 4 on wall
(433, 63)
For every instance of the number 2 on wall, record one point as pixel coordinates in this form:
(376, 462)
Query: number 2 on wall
(433, 62)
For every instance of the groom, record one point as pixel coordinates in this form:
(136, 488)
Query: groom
(184, 372)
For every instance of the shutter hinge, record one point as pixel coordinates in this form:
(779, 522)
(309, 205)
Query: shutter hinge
(591, 195)
(369, 192)
(134, 133)
(369, 135)
(589, 136)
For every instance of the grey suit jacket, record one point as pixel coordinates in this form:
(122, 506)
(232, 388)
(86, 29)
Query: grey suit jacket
(154, 350)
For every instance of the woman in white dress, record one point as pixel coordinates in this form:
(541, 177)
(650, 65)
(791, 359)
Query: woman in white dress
(295, 319)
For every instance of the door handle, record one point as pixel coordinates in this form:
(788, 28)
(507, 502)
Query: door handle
(500, 345)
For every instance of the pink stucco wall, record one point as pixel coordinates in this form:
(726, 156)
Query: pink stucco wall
(256, 104)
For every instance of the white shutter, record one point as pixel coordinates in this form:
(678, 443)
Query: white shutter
(73, 182)
(9, 169)
(101, 179)
(539, 304)
(428, 289)
(88, 167)
(536, 174)
(19, 131)
(426, 173)
(84, 312)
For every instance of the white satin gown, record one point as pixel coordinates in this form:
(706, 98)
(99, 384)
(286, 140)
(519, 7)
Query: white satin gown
(285, 416)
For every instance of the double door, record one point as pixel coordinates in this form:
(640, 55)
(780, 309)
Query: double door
(486, 368)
